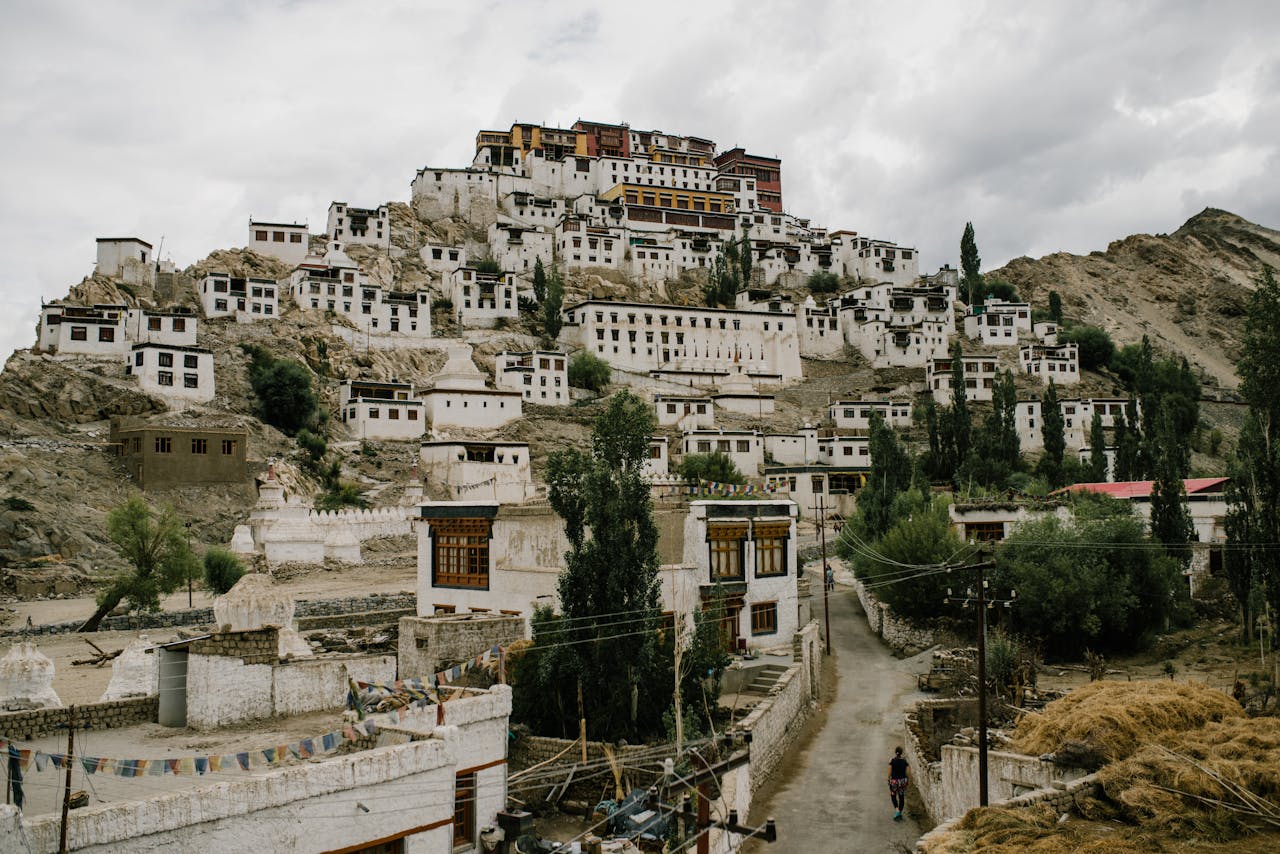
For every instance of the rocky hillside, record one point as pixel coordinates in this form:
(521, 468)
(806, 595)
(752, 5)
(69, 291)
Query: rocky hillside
(1188, 290)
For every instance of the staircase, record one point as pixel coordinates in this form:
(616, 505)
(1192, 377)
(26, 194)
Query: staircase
(763, 679)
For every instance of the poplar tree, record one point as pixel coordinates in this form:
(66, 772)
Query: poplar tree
(1055, 307)
(1170, 519)
(745, 260)
(970, 264)
(1097, 449)
(611, 568)
(539, 281)
(959, 429)
(1253, 514)
(550, 307)
(890, 476)
(1051, 430)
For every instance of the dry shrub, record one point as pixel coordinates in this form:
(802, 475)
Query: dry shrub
(1241, 751)
(1114, 718)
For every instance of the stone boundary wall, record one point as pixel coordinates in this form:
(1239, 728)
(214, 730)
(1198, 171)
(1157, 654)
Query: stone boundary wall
(1060, 796)
(930, 723)
(361, 618)
(1009, 776)
(113, 714)
(901, 635)
(366, 524)
(252, 646)
(407, 602)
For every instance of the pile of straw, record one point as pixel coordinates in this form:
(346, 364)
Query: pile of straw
(1220, 781)
(1112, 719)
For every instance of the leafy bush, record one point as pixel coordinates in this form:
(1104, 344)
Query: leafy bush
(1000, 289)
(1096, 346)
(589, 372)
(341, 495)
(222, 570)
(487, 266)
(822, 282)
(715, 467)
(283, 388)
(314, 446)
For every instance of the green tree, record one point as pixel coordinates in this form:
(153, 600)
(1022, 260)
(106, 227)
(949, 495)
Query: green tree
(611, 567)
(488, 266)
(998, 451)
(1055, 443)
(922, 535)
(222, 570)
(745, 253)
(970, 265)
(550, 307)
(1253, 516)
(1000, 289)
(715, 467)
(1128, 464)
(889, 477)
(955, 422)
(1096, 347)
(155, 545)
(1086, 583)
(715, 281)
(1170, 519)
(1097, 449)
(539, 281)
(285, 396)
(822, 282)
(586, 370)
(1055, 307)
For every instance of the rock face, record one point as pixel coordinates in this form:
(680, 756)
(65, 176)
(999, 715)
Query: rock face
(46, 388)
(255, 602)
(134, 673)
(1188, 290)
(26, 679)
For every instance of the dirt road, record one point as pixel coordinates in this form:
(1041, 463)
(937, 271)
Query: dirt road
(832, 796)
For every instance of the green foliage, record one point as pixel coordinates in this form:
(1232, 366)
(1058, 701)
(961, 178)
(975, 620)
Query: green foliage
(890, 476)
(155, 545)
(997, 452)
(586, 370)
(341, 495)
(313, 445)
(970, 265)
(1097, 449)
(1054, 438)
(283, 389)
(18, 505)
(487, 266)
(1055, 307)
(922, 533)
(539, 281)
(716, 467)
(611, 567)
(222, 570)
(1170, 518)
(999, 289)
(1086, 583)
(1253, 495)
(551, 319)
(1096, 347)
(746, 254)
(822, 282)
(1159, 385)
(1128, 441)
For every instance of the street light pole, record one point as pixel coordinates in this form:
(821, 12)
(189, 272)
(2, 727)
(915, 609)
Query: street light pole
(822, 533)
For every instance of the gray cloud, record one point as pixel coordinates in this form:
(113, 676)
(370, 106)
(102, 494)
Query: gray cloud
(1052, 126)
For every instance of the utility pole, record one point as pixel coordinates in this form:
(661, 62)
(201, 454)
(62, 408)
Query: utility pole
(822, 534)
(66, 792)
(982, 684)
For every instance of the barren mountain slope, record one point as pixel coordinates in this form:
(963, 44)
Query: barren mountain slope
(1187, 290)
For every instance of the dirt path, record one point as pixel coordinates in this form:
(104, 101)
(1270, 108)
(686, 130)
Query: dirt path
(832, 795)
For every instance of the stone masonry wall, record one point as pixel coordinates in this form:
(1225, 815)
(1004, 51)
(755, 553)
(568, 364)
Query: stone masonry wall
(305, 608)
(111, 715)
(430, 644)
(253, 646)
(901, 635)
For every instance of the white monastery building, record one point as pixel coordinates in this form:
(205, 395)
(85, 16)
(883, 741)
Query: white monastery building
(856, 414)
(744, 447)
(1059, 362)
(685, 412)
(998, 323)
(540, 375)
(380, 410)
(366, 226)
(128, 258)
(181, 373)
(479, 471)
(245, 299)
(980, 374)
(459, 398)
(172, 328)
(287, 242)
(480, 299)
(99, 330)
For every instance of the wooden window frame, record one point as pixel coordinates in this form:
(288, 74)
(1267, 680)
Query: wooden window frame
(984, 532)
(771, 549)
(726, 550)
(460, 552)
(464, 809)
(764, 618)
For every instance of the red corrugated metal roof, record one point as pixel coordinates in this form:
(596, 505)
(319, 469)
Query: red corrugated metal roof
(1142, 488)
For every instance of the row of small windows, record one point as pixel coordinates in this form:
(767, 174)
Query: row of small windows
(255, 308)
(275, 237)
(678, 319)
(199, 447)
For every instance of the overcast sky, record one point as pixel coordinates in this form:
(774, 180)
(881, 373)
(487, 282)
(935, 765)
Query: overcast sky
(1050, 126)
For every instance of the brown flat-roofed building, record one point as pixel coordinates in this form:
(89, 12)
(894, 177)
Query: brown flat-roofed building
(157, 456)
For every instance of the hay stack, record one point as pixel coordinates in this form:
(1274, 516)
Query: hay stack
(1161, 785)
(1112, 719)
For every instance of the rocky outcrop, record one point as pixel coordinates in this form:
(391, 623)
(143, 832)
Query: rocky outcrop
(72, 392)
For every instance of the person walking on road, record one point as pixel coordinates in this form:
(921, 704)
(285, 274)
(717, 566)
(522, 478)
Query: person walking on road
(828, 577)
(898, 782)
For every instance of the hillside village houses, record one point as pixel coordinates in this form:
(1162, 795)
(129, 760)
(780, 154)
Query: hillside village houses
(287, 242)
(459, 397)
(473, 470)
(381, 410)
(744, 447)
(857, 414)
(334, 282)
(1059, 362)
(1077, 418)
(980, 374)
(180, 374)
(686, 412)
(366, 226)
(486, 556)
(481, 299)
(245, 298)
(129, 259)
(98, 331)
(998, 323)
(542, 376)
